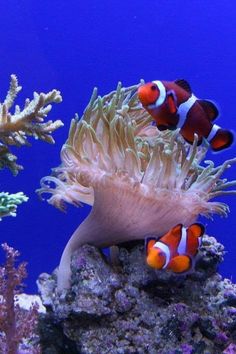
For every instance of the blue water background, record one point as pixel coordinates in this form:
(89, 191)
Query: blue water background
(76, 45)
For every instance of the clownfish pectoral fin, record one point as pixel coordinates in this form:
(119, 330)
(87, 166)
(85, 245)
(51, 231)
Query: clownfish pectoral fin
(149, 243)
(196, 229)
(171, 102)
(210, 109)
(222, 140)
(184, 85)
(180, 264)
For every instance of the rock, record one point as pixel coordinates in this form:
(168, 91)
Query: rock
(25, 301)
(131, 308)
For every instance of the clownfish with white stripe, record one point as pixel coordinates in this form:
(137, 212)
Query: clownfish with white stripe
(176, 250)
(173, 105)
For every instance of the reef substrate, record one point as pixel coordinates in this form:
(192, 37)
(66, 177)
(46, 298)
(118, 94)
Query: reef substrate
(130, 308)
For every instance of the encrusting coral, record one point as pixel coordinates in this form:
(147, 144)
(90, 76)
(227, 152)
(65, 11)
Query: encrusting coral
(16, 127)
(139, 181)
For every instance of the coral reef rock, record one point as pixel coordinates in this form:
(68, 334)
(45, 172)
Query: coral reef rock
(131, 308)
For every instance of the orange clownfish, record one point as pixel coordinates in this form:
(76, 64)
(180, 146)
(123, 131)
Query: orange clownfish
(173, 105)
(175, 250)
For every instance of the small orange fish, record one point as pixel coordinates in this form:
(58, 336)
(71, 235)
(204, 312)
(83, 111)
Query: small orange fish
(176, 249)
(173, 105)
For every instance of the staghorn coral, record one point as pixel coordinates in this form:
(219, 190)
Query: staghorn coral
(14, 130)
(15, 127)
(138, 180)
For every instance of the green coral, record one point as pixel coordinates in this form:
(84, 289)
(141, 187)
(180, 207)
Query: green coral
(9, 203)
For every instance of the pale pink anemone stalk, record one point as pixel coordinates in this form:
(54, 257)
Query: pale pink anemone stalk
(138, 180)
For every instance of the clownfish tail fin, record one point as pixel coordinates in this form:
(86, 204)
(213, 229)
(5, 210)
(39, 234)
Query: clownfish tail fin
(222, 140)
(210, 109)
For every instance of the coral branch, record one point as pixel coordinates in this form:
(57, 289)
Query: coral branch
(16, 127)
(8, 160)
(9, 203)
(15, 325)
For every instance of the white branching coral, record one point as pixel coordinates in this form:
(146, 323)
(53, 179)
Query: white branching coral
(138, 180)
(15, 127)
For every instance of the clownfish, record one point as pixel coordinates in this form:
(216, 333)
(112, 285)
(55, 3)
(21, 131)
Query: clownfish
(175, 250)
(173, 105)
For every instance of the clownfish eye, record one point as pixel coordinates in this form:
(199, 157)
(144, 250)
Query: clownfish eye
(153, 87)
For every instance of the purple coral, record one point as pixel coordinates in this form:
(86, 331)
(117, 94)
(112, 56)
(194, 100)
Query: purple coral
(16, 325)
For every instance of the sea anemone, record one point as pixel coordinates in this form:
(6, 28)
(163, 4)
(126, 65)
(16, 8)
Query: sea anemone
(139, 180)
